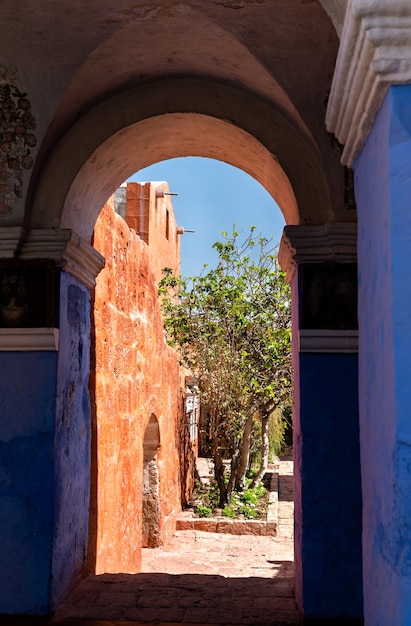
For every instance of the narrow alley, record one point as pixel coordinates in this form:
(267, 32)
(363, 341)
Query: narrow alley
(200, 578)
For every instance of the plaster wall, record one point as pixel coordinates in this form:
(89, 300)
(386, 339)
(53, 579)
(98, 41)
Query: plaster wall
(383, 192)
(136, 376)
(297, 444)
(27, 409)
(149, 211)
(331, 486)
(72, 439)
(327, 484)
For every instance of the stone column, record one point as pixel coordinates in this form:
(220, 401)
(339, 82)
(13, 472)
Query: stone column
(320, 262)
(383, 191)
(44, 415)
(369, 111)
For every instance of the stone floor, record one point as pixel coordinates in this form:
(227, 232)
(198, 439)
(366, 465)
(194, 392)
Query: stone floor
(200, 578)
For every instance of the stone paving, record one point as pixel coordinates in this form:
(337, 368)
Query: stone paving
(199, 578)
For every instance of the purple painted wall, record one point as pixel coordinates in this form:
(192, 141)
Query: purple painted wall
(27, 409)
(383, 194)
(327, 483)
(72, 439)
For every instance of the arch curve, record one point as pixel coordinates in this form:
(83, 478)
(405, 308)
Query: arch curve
(173, 118)
(336, 10)
(151, 441)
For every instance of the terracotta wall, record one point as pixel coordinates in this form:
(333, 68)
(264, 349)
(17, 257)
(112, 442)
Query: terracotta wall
(149, 211)
(136, 377)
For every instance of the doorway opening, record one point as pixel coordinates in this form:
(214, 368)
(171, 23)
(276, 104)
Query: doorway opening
(244, 560)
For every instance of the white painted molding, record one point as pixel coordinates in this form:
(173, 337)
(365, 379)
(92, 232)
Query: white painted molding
(46, 243)
(9, 240)
(69, 250)
(83, 261)
(29, 339)
(375, 52)
(63, 246)
(330, 341)
(316, 244)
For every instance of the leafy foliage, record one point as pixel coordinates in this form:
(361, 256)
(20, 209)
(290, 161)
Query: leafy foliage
(279, 424)
(204, 511)
(251, 503)
(231, 328)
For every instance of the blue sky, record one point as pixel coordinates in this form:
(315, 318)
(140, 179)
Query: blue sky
(212, 196)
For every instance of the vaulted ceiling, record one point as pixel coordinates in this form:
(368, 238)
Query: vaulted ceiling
(264, 66)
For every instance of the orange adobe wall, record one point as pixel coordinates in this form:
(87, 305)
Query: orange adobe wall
(136, 381)
(150, 213)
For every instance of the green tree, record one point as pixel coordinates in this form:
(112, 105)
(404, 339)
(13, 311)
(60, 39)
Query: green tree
(231, 327)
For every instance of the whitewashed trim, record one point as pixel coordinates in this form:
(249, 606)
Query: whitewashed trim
(29, 339)
(9, 240)
(83, 261)
(45, 243)
(374, 53)
(331, 341)
(63, 246)
(75, 255)
(316, 244)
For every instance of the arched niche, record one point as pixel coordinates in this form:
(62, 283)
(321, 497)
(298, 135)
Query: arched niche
(151, 485)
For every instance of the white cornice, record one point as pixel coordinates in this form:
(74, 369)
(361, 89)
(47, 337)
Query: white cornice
(46, 243)
(83, 261)
(68, 251)
(29, 339)
(63, 246)
(9, 240)
(316, 244)
(332, 341)
(375, 52)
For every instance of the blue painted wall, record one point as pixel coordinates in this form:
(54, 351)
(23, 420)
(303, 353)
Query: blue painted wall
(45, 463)
(328, 486)
(27, 409)
(297, 444)
(383, 194)
(72, 439)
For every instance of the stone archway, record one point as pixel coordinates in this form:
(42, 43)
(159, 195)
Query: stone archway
(179, 117)
(228, 81)
(151, 485)
(175, 118)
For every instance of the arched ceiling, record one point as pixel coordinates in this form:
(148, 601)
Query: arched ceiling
(72, 57)
(164, 137)
(336, 9)
(155, 122)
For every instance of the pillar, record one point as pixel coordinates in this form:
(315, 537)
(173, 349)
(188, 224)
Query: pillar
(369, 111)
(383, 192)
(321, 266)
(44, 417)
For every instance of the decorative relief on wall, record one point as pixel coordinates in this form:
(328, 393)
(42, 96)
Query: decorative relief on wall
(16, 139)
(27, 294)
